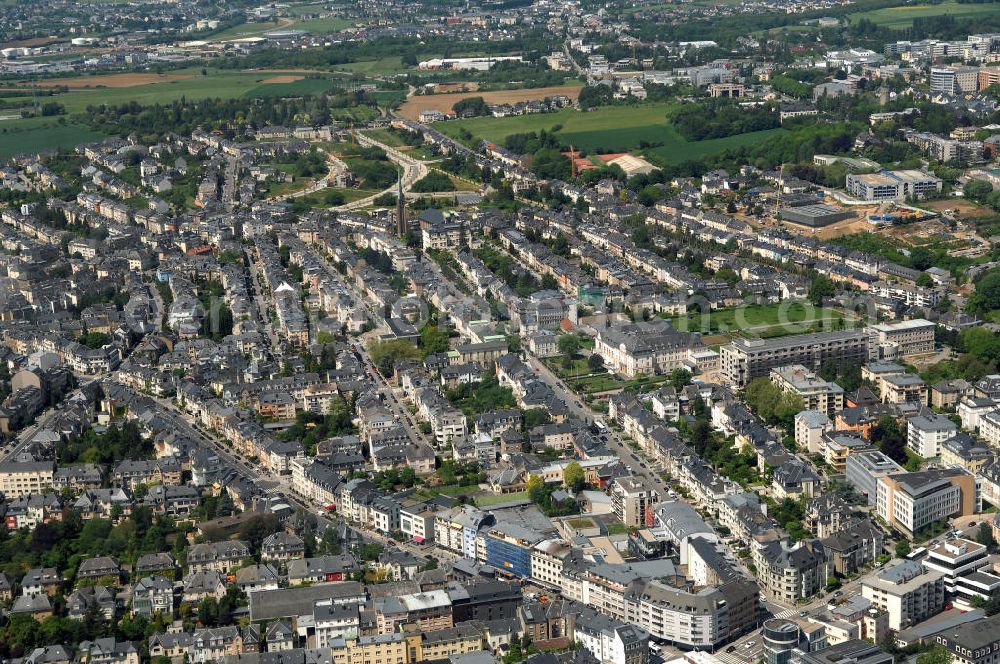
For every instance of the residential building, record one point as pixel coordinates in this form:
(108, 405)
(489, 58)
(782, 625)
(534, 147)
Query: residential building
(906, 591)
(746, 359)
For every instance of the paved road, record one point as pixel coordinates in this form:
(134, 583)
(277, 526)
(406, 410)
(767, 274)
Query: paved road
(642, 468)
(388, 393)
(413, 170)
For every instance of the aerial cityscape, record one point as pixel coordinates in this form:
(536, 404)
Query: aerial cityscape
(500, 331)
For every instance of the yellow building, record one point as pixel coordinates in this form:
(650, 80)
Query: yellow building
(410, 646)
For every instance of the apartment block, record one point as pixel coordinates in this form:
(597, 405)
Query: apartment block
(906, 591)
(745, 359)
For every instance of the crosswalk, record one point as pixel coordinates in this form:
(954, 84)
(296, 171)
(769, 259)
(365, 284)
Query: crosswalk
(787, 613)
(729, 658)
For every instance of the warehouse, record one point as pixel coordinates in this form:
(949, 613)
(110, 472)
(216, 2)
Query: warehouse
(815, 215)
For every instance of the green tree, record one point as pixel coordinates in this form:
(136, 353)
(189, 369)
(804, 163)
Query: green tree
(678, 378)
(936, 655)
(536, 489)
(573, 476)
(385, 354)
(902, 548)
(987, 295)
(433, 339)
(985, 536)
(569, 345)
(820, 288)
(208, 612)
(978, 190)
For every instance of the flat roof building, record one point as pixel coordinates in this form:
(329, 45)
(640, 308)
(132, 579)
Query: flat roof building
(745, 359)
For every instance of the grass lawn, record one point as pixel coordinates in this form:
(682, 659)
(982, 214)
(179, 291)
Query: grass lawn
(358, 114)
(34, 134)
(486, 500)
(758, 318)
(902, 17)
(247, 30)
(422, 152)
(608, 128)
(460, 184)
(578, 368)
(390, 138)
(593, 384)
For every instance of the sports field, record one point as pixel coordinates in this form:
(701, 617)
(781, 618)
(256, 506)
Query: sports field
(609, 128)
(902, 17)
(36, 134)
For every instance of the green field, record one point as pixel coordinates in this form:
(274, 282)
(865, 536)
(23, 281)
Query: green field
(902, 17)
(769, 318)
(322, 26)
(391, 64)
(305, 86)
(247, 30)
(35, 134)
(608, 128)
(217, 83)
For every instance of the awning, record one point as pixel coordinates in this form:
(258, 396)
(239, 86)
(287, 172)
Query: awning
(418, 539)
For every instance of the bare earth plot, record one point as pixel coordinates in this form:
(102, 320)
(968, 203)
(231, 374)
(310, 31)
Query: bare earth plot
(415, 105)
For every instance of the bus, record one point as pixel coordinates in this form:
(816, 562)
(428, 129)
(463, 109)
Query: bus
(600, 426)
(916, 553)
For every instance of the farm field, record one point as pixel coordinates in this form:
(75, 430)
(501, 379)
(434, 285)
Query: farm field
(415, 105)
(185, 83)
(130, 80)
(391, 64)
(272, 87)
(610, 128)
(34, 134)
(902, 17)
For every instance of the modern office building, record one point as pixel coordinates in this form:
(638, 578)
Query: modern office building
(866, 468)
(892, 185)
(954, 80)
(968, 571)
(781, 637)
(911, 501)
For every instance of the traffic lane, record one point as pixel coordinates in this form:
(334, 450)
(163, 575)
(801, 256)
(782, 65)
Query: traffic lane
(575, 405)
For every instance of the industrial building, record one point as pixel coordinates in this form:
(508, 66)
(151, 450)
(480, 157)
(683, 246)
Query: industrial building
(815, 216)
